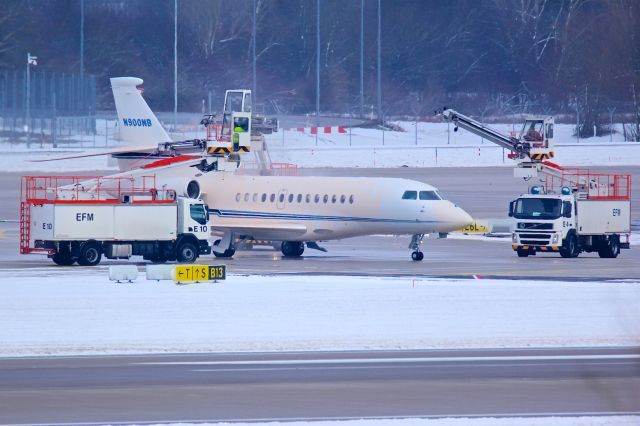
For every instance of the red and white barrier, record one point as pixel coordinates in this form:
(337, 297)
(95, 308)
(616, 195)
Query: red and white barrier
(316, 130)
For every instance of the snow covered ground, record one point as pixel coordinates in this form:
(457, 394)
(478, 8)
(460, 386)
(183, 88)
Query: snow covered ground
(54, 312)
(479, 421)
(434, 145)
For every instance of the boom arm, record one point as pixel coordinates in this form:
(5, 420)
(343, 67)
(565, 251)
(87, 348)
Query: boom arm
(514, 145)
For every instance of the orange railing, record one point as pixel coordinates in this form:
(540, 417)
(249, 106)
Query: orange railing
(596, 186)
(94, 189)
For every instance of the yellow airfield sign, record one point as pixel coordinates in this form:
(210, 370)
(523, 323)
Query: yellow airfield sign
(199, 273)
(477, 227)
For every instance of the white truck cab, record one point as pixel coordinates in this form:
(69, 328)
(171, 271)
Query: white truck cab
(569, 222)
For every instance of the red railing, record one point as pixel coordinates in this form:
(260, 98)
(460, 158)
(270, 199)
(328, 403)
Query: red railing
(94, 189)
(596, 186)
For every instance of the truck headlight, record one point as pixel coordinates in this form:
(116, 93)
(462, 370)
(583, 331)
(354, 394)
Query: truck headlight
(514, 238)
(554, 239)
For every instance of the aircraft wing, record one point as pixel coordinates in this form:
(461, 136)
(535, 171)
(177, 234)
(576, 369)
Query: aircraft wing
(96, 153)
(260, 229)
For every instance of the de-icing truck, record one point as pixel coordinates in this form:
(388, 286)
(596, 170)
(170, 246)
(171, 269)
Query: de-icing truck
(571, 210)
(80, 219)
(574, 211)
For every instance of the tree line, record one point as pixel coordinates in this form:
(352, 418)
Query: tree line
(484, 57)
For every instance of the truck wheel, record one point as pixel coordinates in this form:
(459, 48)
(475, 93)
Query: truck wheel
(63, 258)
(570, 246)
(187, 253)
(610, 248)
(158, 259)
(90, 254)
(522, 253)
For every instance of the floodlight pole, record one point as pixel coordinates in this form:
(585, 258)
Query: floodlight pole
(379, 64)
(317, 68)
(361, 58)
(175, 65)
(31, 60)
(81, 41)
(253, 52)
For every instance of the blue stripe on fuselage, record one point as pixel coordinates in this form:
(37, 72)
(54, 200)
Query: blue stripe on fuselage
(290, 216)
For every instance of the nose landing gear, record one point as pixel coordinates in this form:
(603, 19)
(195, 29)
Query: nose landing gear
(416, 242)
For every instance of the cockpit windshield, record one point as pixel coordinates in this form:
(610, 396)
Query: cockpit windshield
(430, 195)
(422, 195)
(537, 208)
(410, 195)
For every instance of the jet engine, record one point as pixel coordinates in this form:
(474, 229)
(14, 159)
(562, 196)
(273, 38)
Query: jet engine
(189, 188)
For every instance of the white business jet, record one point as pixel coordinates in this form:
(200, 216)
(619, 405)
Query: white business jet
(296, 210)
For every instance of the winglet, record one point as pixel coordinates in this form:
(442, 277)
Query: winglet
(137, 123)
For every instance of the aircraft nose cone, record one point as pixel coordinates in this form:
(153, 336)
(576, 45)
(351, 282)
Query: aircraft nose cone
(458, 218)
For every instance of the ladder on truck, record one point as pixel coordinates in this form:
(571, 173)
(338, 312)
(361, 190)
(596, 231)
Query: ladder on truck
(25, 229)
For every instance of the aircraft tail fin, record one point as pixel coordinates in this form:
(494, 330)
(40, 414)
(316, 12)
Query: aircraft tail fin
(137, 123)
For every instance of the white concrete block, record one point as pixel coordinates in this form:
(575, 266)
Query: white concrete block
(121, 273)
(160, 272)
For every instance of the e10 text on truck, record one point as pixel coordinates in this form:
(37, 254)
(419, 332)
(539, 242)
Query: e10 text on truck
(80, 219)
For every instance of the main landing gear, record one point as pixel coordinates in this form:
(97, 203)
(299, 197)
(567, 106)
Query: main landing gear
(224, 247)
(292, 248)
(416, 242)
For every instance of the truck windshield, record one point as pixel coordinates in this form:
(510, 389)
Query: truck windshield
(537, 208)
(198, 213)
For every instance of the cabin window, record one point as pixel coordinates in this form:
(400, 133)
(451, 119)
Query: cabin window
(410, 195)
(351, 199)
(281, 197)
(291, 198)
(325, 198)
(264, 197)
(343, 198)
(238, 196)
(334, 198)
(246, 197)
(272, 198)
(299, 198)
(255, 197)
(429, 195)
(307, 198)
(316, 198)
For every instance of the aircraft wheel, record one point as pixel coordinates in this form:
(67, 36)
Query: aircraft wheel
(292, 248)
(227, 253)
(417, 256)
